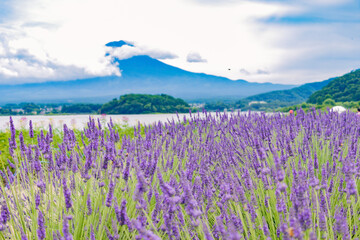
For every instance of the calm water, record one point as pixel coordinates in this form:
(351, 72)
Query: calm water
(79, 121)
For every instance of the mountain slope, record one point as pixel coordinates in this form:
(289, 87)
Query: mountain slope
(140, 74)
(291, 96)
(341, 89)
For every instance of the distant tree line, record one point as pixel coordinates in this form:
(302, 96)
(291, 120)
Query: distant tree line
(81, 108)
(246, 104)
(327, 104)
(145, 103)
(126, 104)
(21, 109)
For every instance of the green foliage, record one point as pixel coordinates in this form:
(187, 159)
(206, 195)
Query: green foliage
(4, 148)
(30, 108)
(285, 98)
(81, 108)
(329, 102)
(342, 89)
(25, 108)
(6, 111)
(304, 106)
(127, 104)
(217, 106)
(145, 103)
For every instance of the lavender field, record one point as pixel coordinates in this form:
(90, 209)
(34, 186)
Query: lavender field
(222, 176)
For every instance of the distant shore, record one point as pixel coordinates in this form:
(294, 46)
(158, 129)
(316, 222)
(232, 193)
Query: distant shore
(79, 121)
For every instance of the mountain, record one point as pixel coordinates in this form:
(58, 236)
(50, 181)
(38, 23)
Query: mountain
(118, 44)
(292, 96)
(342, 89)
(140, 74)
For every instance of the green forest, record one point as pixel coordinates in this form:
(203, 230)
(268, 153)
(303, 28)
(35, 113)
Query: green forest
(81, 108)
(342, 89)
(126, 104)
(145, 103)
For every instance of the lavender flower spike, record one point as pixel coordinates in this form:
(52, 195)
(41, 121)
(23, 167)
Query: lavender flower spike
(41, 226)
(92, 234)
(88, 203)
(110, 195)
(67, 235)
(67, 195)
(31, 130)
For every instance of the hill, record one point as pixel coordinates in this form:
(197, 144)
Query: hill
(342, 89)
(145, 103)
(140, 74)
(283, 98)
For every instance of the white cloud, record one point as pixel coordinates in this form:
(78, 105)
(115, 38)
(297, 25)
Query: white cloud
(195, 57)
(244, 71)
(327, 2)
(64, 39)
(160, 54)
(24, 59)
(261, 71)
(253, 73)
(127, 51)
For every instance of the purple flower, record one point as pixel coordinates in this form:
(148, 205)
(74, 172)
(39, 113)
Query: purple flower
(351, 187)
(12, 140)
(282, 186)
(280, 174)
(141, 186)
(57, 235)
(220, 229)
(312, 236)
(208, 235)
(316, 163)
(322, 221)
(314, 181)
(41, 233)
(23, 235)
(92, 234)
(121, 214)
(88, 204)
(22, 144)
(341, 225)
(5, 214)
(331, 186)
(66, 232)
(126, 172)
(266, 228)
(11, 164)
(37, 164)
(305, 218)
(31, 130)
(67, 195)
(41, 184)
(37, 201)
(110, 194)
(108, 234)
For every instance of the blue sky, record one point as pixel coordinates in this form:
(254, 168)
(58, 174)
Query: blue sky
(263, 41)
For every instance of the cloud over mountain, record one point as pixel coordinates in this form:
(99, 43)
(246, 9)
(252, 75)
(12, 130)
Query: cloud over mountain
(122, 50)
(195, 57)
